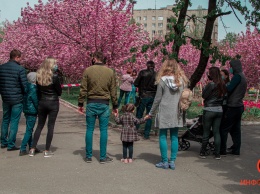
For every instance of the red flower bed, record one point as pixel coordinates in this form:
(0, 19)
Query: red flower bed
(251, 104)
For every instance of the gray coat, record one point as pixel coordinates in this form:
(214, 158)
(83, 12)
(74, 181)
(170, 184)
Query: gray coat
(167, 100)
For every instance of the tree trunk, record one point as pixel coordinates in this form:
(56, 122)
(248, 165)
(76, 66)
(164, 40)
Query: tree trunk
(204, 57)
(178, 28)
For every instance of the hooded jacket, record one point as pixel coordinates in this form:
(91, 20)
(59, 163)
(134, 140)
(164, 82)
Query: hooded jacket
(238, 85)
(167, 103)
(30, 101)
(127, 82)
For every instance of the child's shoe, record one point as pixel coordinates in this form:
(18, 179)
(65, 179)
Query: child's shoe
(130, 160)
(172, 165)
(124, 160)
(164, 165)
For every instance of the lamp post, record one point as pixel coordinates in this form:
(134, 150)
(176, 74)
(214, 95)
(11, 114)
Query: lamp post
(133, 2)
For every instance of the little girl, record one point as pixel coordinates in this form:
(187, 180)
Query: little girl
(128, 133)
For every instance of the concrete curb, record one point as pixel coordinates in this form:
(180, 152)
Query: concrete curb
(66, 103)
(250, 123)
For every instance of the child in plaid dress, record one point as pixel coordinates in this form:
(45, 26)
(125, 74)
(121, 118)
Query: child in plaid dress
(129, 132)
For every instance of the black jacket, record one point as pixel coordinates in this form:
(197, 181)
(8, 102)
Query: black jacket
(211, 96)
(50, 92)
(13, 82)
(145, 82)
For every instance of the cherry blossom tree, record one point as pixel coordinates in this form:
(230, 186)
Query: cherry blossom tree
(248, 48)
(71, 30)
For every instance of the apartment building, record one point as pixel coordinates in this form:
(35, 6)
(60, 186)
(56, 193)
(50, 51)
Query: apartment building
(155, 21)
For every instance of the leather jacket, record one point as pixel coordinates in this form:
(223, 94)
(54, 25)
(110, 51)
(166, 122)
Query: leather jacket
(145, 82)
(211, 96)
(52, 91)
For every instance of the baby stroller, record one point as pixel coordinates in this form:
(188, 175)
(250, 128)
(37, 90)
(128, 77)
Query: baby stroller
(194, 132)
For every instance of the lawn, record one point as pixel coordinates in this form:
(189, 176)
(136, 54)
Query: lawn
(252, 111)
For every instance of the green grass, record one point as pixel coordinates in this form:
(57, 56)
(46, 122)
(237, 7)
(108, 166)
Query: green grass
(72, 94)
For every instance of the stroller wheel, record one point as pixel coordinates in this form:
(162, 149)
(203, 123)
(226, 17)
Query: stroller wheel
(179, 147)
(187, 144)
(182, 146)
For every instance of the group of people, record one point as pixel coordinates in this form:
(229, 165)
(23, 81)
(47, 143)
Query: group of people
(158, 94)
(223, 109)
(37, 95)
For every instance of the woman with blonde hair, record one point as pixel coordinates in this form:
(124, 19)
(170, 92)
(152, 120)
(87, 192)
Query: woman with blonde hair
(170, 82)
(49, 90)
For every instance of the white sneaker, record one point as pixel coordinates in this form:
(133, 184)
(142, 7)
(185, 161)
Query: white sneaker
(47, 154)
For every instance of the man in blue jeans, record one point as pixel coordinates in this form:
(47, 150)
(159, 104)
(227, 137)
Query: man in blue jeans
(98, 86)
(145, 82)
(13, 86)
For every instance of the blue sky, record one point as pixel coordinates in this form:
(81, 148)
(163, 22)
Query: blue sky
(11, 9)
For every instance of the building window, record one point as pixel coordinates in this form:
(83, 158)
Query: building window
(160, 18)
(153, 32)
(153, 25)
(145, 25)
(138, 18)
(145, 18)
(160, 25)
(153, 17)
(160, 32)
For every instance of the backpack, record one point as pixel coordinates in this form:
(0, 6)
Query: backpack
(185, 100)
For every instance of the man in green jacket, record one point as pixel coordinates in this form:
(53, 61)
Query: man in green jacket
(98, 86)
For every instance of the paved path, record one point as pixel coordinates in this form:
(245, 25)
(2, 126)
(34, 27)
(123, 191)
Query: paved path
(66, 171)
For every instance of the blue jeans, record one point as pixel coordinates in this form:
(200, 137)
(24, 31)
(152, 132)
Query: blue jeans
(27, 139)
(146, 103)
(164, 146)
(211, 120)
(11, 115)
(133, 93)
(127, 97)
(94, 110)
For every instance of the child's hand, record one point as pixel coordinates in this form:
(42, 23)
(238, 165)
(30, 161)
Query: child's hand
(115, 114)
(147, 117)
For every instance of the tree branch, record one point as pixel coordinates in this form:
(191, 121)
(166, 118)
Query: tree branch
(196, 18)
(233, 11)
(223, 13)
(235, 14)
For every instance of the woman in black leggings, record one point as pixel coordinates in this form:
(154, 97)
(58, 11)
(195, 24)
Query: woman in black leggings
(49, 90)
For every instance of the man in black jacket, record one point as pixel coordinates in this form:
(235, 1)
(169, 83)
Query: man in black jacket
(13, 83)
(145, 82)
